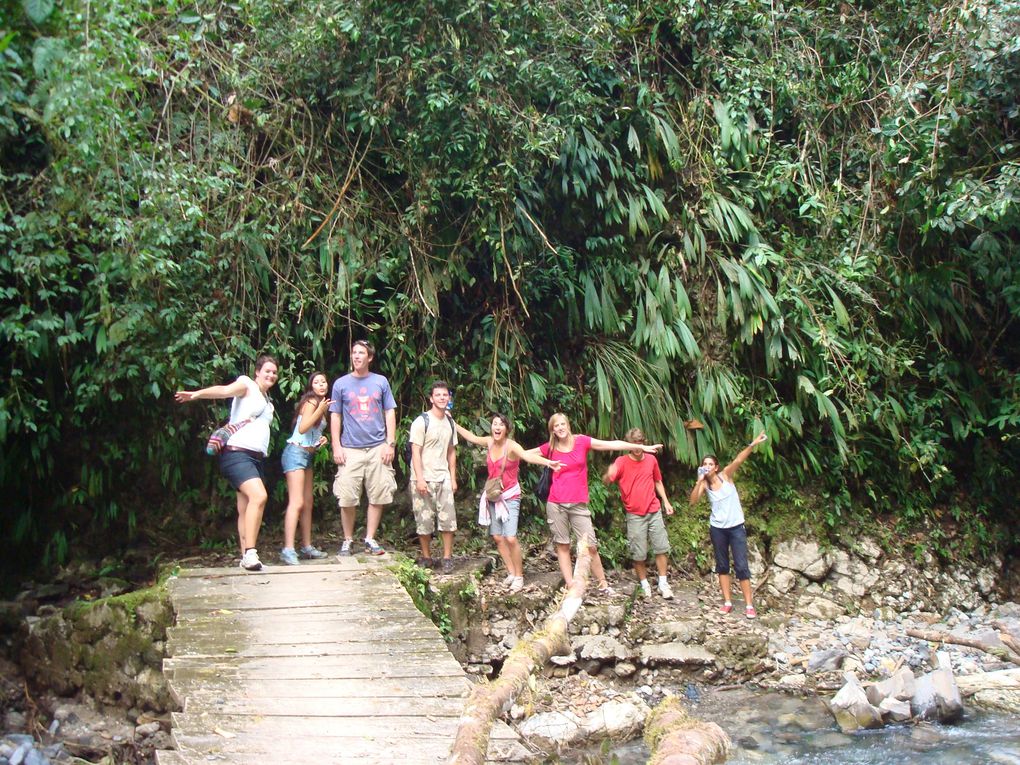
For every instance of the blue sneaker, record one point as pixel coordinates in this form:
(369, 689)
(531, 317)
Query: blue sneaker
(372, 548)
(288, 556)
(311, 553)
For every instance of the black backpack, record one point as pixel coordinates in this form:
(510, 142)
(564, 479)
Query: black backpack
(407, 446)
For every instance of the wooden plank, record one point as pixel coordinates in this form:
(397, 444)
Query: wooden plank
(388, 687)
(295, 727)
(352, 707)
(348, 670)
(311, 649)
(354, 563)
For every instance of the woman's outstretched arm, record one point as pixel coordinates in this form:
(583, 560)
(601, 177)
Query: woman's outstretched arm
(236, 388)
(470, 437)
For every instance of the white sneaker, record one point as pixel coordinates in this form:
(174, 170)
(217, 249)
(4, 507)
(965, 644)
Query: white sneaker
(517, 584)
(646, 589)
(666, 591)
(250, 561)
(509, 580)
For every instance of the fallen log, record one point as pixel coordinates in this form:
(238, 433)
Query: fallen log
(1001, 652)
(487, 701)
(674, 738)
(1003, 679)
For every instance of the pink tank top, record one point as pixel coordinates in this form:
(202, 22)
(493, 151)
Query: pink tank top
(513, 467)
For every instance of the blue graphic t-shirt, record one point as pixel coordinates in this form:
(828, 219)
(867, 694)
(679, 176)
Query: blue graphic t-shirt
(362, 403)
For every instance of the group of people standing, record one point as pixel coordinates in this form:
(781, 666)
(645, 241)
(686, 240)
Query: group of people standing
(362, 433)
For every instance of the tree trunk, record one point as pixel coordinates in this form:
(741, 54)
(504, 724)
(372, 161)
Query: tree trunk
(487, 701)
(674, 738)
(1002, 652)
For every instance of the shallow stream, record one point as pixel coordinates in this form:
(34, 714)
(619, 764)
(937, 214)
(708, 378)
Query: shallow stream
(776, 729)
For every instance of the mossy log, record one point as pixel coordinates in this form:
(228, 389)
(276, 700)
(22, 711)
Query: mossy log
(1002, 652)
(674, 738)
(487, 701)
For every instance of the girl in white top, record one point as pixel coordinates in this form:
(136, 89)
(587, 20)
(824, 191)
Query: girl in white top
(241, 460)
(297, 461)
(726, 524)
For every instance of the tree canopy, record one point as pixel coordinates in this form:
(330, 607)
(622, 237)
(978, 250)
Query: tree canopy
(800, 218)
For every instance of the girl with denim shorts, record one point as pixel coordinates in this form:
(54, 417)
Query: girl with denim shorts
(296, 460)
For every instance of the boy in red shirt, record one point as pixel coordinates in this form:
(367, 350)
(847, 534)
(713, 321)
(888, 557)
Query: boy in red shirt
(640, 481)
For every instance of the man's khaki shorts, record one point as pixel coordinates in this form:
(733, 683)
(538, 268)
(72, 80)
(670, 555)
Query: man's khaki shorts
(571, 515)
(364, 469)
(434, 508)
(642, 529)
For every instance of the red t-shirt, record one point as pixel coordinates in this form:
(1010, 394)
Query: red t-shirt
(637, 480)
(570, 483)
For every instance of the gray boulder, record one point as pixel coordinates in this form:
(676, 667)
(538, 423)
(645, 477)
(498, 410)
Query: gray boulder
(804, 556)
(901, 686)
(936, 696)
(851, 708)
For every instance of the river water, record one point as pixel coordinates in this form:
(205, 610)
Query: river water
(777, 729)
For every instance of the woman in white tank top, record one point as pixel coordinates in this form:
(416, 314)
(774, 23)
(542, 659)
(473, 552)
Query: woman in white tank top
(241, 460)
(726, 524)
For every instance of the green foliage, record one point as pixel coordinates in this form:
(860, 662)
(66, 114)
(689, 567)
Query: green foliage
(798, 219)
(428, 600)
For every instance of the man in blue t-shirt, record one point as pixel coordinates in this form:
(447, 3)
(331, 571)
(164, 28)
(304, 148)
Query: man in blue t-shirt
(363, 430)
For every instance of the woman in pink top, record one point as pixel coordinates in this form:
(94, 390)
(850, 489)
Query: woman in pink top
(503, 459)
(567, 506)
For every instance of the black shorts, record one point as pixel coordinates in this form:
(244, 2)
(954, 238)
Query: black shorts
(238, 467)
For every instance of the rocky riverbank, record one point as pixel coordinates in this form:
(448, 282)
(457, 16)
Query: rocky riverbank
(822, 613)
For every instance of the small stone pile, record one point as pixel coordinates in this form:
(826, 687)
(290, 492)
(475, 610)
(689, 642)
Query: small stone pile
(898, 699)
(22, 749)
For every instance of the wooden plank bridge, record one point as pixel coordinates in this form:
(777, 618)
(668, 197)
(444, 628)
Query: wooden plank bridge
(319, 663)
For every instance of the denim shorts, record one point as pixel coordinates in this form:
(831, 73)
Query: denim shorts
(296, 458)
(724, 541)
(507, 528)
(238, 467)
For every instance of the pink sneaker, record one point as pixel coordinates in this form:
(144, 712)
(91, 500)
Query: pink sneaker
(750, 613)
(725, 608)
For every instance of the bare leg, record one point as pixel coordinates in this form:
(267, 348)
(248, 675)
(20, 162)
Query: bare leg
(596, 567)
(242, 504)
(295, 500)
(255, 492)
(745, 588)
(504, 553)
(347, 517)
(374, 516)
(566, 567)
(641, 570)
(724, 587)
(306, 510)
(516, 557)
(660, 563)
(447, 543)
(425, 540)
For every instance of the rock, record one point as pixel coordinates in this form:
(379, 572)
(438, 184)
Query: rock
(804, 556)
(826, 661)
(146, 729)
(900, 687)
(616, 719)
(819, 608)
(936, 697)
(686, 631)
(851, 709)
(783, 580)
(895, 710)
(859, 630)
(552, 730)
(792, 681)
(675, 654)
(14, 720)
(624, 669)
(600, 647)
(868, 549)
(993, 690)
